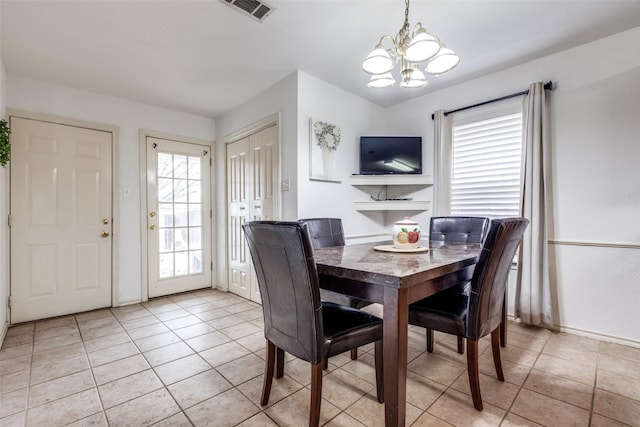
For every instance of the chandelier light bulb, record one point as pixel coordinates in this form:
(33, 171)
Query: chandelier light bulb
(381, 80)
(422, 46)
(444, 61)
(378, 61)
(413, 78)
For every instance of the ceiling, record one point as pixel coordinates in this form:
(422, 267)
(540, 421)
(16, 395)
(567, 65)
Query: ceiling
(204, 58)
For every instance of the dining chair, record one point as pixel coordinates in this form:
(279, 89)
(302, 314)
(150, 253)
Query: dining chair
(456, 229)
(478, 313)
(296, 320)
(327, 232)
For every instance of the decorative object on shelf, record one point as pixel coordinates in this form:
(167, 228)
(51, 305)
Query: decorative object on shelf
(5, 144)
(409, 50)
(406, 234)
(325, 139)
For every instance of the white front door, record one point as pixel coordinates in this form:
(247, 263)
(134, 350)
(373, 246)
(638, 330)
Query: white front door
(178, 216)
(61, 215)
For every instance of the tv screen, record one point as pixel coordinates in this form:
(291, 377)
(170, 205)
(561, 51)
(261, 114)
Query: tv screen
(380, 155)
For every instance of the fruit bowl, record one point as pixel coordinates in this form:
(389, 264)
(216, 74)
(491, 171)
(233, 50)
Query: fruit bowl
(406, 234)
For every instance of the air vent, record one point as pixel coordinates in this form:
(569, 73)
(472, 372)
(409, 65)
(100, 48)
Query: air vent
(256, 9)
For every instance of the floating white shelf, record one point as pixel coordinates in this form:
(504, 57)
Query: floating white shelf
(424, 180)
(395, 180)
(393, 205)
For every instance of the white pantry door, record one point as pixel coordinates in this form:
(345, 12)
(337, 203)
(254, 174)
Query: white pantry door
(178, 216)
(61, 214)
(252, 177)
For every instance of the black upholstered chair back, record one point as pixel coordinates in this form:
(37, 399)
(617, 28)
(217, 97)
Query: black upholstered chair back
(325, 232)
(288, 280)
(491, 274)
(458, 229)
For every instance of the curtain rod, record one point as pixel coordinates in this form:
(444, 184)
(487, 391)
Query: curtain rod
(547, 86)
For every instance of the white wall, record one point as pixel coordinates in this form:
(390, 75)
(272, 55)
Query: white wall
(355, 117)
(595, 186)
(40, 97)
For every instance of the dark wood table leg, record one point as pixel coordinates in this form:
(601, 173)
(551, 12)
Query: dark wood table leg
(395, 336)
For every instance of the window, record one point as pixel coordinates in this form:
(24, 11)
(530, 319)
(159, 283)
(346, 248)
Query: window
(486, 162)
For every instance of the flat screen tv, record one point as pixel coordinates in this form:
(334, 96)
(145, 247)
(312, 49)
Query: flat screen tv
(381, 155)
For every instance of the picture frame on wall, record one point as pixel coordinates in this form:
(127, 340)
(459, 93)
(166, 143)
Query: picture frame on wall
(324, 141)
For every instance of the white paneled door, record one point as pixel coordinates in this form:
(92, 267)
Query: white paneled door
(61, 215)
(252, 165)
(178, 216)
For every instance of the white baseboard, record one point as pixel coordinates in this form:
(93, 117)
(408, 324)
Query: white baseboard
(599, 336)
(591, 334)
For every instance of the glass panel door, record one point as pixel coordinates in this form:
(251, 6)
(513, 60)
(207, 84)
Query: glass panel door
(178, 218)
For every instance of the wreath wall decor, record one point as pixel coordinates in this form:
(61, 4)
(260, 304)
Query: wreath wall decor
(324, 142)
(5, 144)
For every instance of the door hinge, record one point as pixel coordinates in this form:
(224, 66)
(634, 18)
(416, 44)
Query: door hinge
(210, 161)
(210, 213)
(211, 265)
(9, 302)
(9, 221)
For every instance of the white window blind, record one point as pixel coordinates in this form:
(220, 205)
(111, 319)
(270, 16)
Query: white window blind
(486, 164)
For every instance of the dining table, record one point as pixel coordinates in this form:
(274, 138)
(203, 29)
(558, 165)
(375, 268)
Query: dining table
(378, 273)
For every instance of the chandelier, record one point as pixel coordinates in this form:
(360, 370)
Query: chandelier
(408, 51)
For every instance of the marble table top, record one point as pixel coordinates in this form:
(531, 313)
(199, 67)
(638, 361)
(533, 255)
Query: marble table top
(362, 263)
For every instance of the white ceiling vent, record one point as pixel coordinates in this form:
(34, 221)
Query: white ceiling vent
(256, 9)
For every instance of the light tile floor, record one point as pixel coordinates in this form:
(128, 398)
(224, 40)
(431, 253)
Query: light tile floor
(197, 359)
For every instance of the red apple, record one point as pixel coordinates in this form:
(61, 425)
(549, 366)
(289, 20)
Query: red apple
(414, 236)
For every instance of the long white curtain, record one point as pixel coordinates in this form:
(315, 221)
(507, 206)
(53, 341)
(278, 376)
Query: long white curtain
(443, 126)
(533, 293)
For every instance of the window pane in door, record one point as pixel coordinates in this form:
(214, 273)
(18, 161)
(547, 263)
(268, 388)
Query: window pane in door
(195, 238)
(166, 265)
(179, 166)
(182, 263)
(165, 190)
(180, 215)
(165, 165)
(165, 215)
(195, 262)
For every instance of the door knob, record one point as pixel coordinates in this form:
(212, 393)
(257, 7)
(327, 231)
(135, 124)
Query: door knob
(152, 227)
(104, 234)
(105, 221)
(152, 214)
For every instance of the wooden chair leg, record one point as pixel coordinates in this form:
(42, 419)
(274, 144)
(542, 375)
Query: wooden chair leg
(279, 362)
(379, 371)
(495, 347)
(474, 377)
(316, 394)
(354, 354)
(503, 325)
(325, 364)
(430, 340)
(460, 345)
(268, 373)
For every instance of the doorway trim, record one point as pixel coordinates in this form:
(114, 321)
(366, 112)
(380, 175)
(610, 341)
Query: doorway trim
(115, 180)
(144, 256)
(271, 120)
